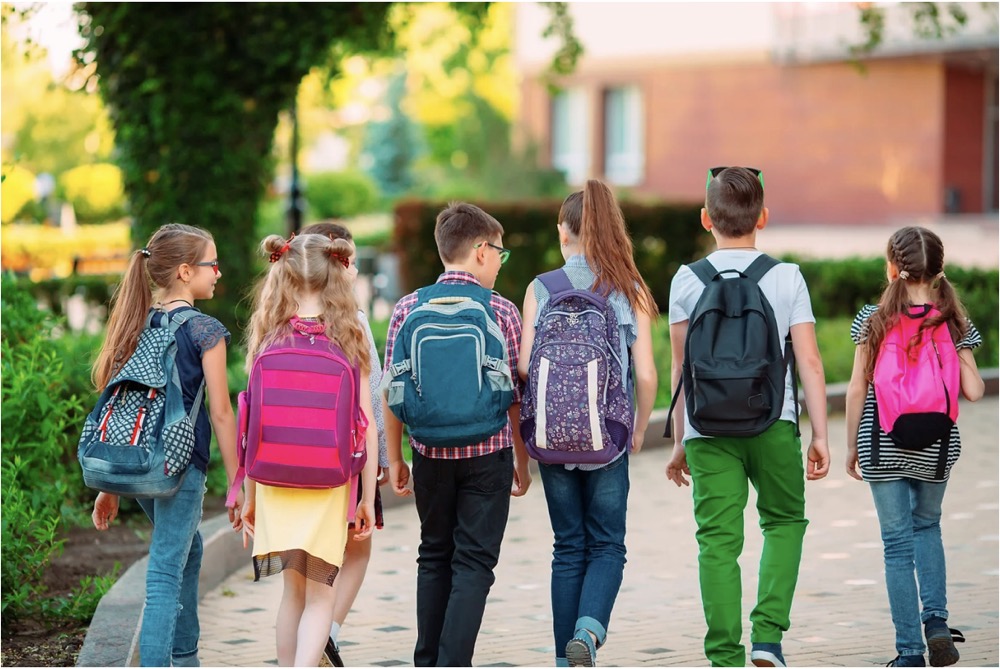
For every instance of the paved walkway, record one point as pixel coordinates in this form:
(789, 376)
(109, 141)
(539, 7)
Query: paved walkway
(840, 616)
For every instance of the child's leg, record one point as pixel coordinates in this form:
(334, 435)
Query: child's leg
(895, 518)
(286, 629)
(928, 550)
(351, 576)
(188, 630)
(777, 473)
(564, 499)
(314, 624)
(719, 479)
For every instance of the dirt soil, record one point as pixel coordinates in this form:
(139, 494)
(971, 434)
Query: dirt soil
(38, 643)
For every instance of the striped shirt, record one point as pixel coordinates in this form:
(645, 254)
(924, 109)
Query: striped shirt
(894, 462)
(374, 386)
(509, 320)
(582, 277)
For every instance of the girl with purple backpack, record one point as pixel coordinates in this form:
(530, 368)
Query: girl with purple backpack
(908, 476)
(587, 499)
(299, 532)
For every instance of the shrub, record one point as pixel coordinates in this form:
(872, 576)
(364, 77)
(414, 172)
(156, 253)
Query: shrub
(16, 192)
(340, 194)
(43, 251)
(95, 191)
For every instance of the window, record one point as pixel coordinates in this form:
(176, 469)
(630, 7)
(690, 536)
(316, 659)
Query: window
(571, 134)
(624, 136)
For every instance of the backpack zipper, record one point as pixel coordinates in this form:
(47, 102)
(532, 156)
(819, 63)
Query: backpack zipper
(416, 358)
(947, 397)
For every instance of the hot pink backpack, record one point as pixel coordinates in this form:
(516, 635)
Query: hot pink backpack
(916, 387)
(300, 423)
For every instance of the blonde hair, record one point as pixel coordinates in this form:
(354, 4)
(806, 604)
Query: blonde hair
(171, 246)
(310, 264)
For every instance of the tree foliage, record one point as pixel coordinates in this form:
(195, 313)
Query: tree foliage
(928, 20)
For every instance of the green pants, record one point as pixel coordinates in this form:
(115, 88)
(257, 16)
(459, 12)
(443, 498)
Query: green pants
(720, 469)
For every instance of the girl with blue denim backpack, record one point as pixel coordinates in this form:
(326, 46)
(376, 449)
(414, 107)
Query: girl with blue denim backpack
(587, 502)
(181, 262)
(908, 479)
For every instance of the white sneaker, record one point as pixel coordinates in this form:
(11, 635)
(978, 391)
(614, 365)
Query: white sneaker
(765, 658)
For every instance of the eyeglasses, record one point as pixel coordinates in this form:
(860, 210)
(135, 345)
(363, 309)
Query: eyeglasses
(214, 264)
(716, 171)
(504, 253)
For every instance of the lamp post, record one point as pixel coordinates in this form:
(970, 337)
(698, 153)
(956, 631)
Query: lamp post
(295, 204)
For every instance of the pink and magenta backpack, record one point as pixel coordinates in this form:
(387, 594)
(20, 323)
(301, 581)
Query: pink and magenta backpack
(300, 423)
(916, 386)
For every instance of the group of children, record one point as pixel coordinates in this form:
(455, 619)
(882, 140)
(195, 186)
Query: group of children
(463, 484)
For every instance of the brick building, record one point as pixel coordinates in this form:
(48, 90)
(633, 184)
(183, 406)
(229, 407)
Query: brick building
(666, 90)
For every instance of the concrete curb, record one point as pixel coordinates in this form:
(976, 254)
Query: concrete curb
(113, 637)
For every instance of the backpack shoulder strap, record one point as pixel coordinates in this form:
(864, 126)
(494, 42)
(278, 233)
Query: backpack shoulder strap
(556, 282)
(704, 270)
(761, 265)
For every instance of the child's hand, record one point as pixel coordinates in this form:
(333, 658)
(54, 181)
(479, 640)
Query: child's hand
(678, 466)
(522, 479)
(399, 476)
(364, 520)
(637, 438)
(852, 462)
(105, 510)
(247, 518)
(383, 475)
(235, 512)
(819, 459)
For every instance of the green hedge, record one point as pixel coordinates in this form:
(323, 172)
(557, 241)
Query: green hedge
(665, 236)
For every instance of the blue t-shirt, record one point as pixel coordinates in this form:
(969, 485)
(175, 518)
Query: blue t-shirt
(201, 333)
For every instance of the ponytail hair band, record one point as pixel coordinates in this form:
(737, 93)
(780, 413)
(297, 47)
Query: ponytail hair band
(144, 251)
(343, 260)
(904, 275)
(940, 275)
(276, 256)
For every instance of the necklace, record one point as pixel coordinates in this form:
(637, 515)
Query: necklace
(178, 300)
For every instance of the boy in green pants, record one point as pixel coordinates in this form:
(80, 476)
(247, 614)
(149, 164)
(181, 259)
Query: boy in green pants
(722, 466)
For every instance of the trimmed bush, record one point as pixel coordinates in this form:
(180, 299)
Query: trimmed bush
(340, 194)
(16, 192)
(95, 191)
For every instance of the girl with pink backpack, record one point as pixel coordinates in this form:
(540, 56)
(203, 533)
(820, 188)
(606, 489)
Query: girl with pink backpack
(305, 433)
(914, 357)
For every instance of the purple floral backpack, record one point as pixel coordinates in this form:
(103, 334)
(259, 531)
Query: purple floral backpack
(577, 407)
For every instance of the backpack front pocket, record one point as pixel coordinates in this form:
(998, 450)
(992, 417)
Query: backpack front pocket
(735, 393)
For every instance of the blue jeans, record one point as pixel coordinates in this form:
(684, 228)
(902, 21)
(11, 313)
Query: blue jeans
(909, 514)
(587, 511)
(170, 628)
(463, 507)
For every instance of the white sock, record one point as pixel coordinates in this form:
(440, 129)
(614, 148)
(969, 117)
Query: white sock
(334, 631)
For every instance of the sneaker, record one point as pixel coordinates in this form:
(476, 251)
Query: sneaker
(907, 661)
(941, 642)
(580, 650)
(332, 653)
(766, 655)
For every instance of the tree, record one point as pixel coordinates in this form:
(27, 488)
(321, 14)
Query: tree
(392, 143)
(929, 20)
(194, 92)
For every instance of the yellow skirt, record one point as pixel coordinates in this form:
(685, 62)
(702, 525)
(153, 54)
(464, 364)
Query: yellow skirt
(300, 529)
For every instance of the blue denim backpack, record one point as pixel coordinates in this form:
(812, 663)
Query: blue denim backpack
(449, 380)
(138, 440)
(577, 407)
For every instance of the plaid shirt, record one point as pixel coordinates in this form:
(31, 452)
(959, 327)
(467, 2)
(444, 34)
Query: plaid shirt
(509, 320)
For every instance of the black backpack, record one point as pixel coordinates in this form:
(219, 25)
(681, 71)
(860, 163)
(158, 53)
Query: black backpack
(734, 367)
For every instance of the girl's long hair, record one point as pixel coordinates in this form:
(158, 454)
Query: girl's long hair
(594, 217)
(920, 253)
(311, 264)
(171, 246)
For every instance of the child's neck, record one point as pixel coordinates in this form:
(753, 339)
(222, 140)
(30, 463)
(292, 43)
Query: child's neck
(175, 297)
(747, 242)
(464, 267)
(309, 305)
(918, 293)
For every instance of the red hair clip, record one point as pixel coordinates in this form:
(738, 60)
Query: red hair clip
(276, 256)
(346, 262)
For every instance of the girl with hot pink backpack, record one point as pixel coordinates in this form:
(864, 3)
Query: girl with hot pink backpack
(914, 358)
(304, 434)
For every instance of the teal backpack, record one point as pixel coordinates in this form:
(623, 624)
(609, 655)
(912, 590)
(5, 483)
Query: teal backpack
(449, 379)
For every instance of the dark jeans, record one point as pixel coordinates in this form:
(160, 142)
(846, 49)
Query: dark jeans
(463, 507)
(587, 510)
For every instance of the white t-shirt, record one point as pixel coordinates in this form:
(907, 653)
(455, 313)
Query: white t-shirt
(784, 288)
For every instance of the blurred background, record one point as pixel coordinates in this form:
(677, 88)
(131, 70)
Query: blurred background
(252, 119)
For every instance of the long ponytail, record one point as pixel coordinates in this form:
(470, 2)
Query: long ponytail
(608, 249)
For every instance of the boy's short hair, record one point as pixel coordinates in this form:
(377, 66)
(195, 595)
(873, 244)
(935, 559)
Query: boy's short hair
(328, 229)
(734, 200)
(459, 227)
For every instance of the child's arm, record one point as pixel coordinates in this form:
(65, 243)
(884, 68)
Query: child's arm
(522, 475)
(249, 514)
(527, 332)
(677, 467)
(971, 380)
(644, 368)
(399, 471)
(854, 405)
(513, 340)
(364, 516)
(220, 412)
(810, 365)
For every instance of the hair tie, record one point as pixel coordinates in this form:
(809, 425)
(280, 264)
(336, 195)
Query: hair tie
(904, 275)
(346, 262)
(144, 251)
(940, 275)
(276, 256)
